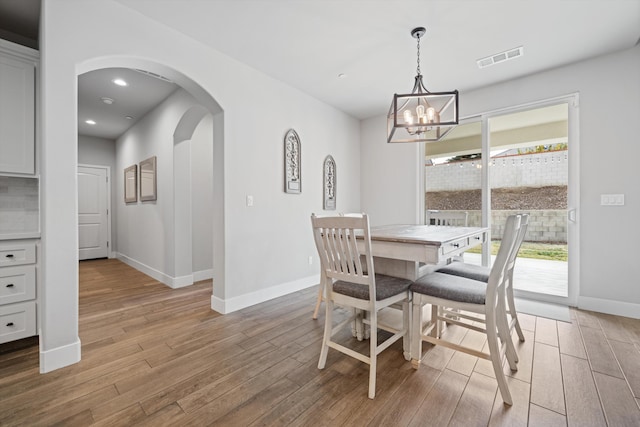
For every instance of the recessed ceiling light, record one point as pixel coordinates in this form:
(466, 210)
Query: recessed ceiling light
(120, 82)
(128, 117)
(342, 75)
(106, 100)
(90, 122)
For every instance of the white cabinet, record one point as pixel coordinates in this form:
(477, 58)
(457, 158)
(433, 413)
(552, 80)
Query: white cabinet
(18, 289)
(17, 321)
(18, 66)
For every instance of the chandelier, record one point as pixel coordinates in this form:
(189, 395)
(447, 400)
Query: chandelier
(421, 116)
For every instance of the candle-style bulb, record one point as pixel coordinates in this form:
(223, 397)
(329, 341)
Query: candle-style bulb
(431, 114)
(408, 117)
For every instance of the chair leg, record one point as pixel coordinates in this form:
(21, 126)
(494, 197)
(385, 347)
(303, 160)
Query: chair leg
(496, 360)
(359, 322)
(416, 332)
(436, 332)
(373, 353)
(321, 289)
(328, 324)
(319, 299)
(366, 329)
(406, 325)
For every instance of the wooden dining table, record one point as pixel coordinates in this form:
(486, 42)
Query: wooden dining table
(407, 251)
(410, 251)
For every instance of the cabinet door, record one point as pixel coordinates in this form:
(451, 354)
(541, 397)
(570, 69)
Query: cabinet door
(17, 115)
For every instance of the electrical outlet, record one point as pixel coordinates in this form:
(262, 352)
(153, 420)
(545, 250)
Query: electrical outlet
(310, 260)
(249, 200)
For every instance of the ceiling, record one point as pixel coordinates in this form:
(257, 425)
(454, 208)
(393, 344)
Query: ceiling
(20, 21)
(129, 104)
(308, 44)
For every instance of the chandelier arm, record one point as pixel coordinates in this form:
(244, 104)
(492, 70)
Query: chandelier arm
(418, 86)
(447, 104)
(403, 106)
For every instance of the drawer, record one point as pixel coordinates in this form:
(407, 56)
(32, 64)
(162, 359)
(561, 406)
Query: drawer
(17, 284)
(454, 246)
(477, 239)
(17, 253)
(17, 321)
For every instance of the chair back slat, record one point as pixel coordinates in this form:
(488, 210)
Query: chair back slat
(524, 223)
(337, 243)
(451, 218)
(495, 285)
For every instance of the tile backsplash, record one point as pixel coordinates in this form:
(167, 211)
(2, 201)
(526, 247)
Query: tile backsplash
(19, 205)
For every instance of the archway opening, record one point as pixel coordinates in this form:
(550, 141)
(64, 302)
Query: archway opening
(209, 107)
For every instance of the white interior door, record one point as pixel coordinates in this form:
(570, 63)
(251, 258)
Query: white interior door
(93, 236)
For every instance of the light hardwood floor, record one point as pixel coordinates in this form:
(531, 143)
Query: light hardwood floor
(156, 356)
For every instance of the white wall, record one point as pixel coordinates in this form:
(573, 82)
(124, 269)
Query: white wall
(252, 244)
(170, 239)
(145, 230)
(202, 198)
(609, 90)
(101, 152)
(390, 177)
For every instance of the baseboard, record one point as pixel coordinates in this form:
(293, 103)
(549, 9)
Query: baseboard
(618, 308)
(225, 306)
(202, 275)
(59, 357)
(180, 282)
(172, 282)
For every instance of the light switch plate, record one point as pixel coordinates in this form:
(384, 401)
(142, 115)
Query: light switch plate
(612, 199)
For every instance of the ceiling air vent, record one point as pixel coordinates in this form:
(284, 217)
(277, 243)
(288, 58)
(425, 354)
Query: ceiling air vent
(157, 76)
(501, 57)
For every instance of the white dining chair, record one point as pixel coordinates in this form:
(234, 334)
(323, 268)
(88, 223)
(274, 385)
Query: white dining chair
(468, 296)
(450, 218)
(350, 283)
(321, 289)
(481, 273)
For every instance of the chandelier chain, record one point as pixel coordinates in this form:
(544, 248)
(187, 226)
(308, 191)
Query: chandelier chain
(418, 68)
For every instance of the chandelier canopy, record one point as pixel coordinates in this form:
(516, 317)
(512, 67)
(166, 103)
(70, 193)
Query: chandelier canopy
(421, 116)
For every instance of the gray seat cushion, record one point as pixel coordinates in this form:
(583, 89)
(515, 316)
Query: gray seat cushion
(470, 271)
(386, 286)
(450, 287)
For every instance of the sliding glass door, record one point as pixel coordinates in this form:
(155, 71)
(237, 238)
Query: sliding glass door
(453, 178)
(518, 160)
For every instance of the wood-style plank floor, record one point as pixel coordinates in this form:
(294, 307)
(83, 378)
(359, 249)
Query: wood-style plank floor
(156, 356)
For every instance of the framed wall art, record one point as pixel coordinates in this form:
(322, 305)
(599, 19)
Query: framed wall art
(131, 184)
(148, 186)
(292, 170)
(329, 183)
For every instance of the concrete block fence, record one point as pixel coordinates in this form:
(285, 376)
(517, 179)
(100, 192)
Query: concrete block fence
(548, 226)
(524, 170)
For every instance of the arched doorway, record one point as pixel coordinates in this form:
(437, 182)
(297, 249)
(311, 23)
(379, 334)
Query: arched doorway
(188, 123)
(192, 184)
